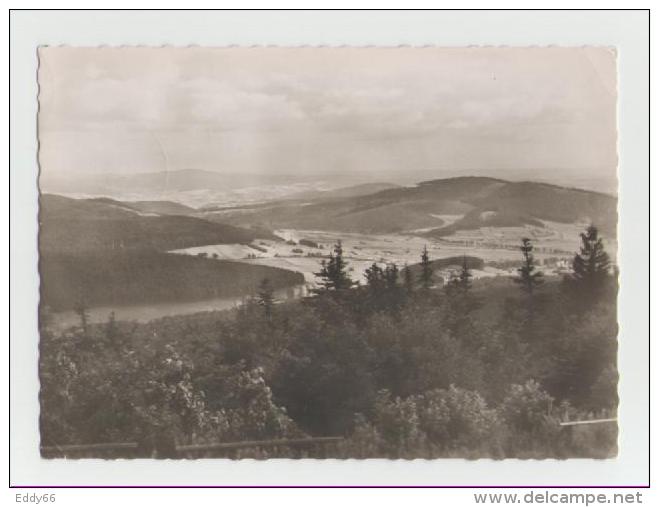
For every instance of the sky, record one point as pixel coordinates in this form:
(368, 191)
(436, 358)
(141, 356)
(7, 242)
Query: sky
(328, 110)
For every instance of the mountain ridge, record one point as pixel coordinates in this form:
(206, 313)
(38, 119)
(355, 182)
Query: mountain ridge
(478, 201)
(77, 225)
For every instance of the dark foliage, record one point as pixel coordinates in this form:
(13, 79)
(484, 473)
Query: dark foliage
(591, 267)
(426, 274)
(80, 225)
(399, 373)
(483, 201)
(333, 274)
(266, 298)
(529, 277)
(107, 278)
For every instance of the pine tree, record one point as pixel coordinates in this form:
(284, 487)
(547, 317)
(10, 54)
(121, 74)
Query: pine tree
(266, 298)
(462, 280)
(529, 278)
(459, 283)
(460, 304)
(375, 280)
(408, 282)
(384, 292)
(591, 266)
(391, 276)
(333, 272)
(425, 278)
(394, 293)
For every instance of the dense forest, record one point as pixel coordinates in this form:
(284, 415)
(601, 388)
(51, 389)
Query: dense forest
(101, 251)
(91, 225)
(401, 367)
(119, 278)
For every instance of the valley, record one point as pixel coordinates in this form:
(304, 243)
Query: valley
(149, 259)
(554, 246)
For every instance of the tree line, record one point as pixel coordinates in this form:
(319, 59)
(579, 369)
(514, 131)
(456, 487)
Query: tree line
(399, 365)
(592, 270)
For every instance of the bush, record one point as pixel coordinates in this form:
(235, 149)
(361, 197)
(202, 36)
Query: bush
(99, 391)
(397, 421)
(384, 367)
(527, 413)
(458, 419)
(438, 423)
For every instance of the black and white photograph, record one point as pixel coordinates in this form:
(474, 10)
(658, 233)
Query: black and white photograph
(314, 252)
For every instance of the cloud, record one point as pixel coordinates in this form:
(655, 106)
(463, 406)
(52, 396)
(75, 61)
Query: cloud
(317, 109)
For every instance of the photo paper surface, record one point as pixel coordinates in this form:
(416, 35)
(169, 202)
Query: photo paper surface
(315, 252)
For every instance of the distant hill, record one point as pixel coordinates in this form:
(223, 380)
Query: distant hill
(165, 182)
(161, 207)
(118, 184)
(343, 192)
(202, 188)
(475, 201)
(520, 203)
(78, 225)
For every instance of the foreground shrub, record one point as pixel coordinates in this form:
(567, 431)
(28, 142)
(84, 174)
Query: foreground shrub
(458, 419)
(438, 423)
(527, 413)
(93, 391)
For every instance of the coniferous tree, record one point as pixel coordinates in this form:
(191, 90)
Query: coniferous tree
(384, 290)
(465, 274)
(394, 292)
(460, 304)
(391, 276)
(408, 282)
(333, 273)
(266, 298)
(462, 280)
(529, 277)
(591, 266)
(426, 275)
(375, 280)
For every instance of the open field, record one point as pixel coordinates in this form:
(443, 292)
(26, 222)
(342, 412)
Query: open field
(554, 244)
(554, 238)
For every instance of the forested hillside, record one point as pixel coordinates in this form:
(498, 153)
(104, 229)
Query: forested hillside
(102, 278)
(400, 367)
(479, 201)
(106, 252)
(83, 225)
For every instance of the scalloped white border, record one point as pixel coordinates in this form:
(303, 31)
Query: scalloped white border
(627, 31)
